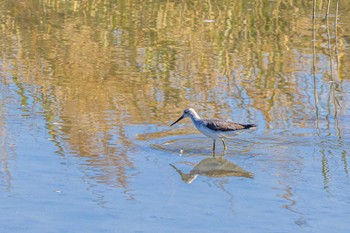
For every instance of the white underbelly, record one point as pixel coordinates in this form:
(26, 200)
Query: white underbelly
(209, 133)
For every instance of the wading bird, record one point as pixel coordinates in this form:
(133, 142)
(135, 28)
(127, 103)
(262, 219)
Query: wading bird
(213, 128)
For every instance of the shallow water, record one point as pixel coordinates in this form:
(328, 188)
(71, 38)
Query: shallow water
(88, 91)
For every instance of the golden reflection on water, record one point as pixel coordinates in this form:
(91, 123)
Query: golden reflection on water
(94, 68)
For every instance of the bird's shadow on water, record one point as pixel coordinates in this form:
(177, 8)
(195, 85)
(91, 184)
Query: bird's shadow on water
(213, 167)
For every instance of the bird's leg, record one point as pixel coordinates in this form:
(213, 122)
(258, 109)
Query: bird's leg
(214, 147)
(223, 142)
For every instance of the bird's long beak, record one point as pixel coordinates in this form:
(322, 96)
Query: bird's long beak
(177, 120)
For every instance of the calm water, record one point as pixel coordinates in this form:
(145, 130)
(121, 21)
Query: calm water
(88, 90)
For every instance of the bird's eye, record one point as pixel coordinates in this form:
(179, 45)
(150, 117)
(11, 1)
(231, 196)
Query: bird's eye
(186, 111)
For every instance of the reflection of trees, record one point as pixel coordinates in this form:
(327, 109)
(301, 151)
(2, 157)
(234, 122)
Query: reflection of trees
(157, 54)
(94, 66)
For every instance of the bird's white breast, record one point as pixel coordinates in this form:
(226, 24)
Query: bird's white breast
(206, 131)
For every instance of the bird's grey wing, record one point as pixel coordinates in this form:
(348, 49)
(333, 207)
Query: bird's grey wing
(221, 125)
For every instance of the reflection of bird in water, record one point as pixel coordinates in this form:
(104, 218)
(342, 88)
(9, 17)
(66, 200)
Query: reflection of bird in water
(213, 128)
(213, 167)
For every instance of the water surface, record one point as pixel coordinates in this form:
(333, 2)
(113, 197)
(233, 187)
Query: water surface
(88, 90)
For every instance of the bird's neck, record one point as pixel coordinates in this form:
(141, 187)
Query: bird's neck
(195, 117)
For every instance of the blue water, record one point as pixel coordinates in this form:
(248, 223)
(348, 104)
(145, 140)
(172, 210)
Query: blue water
(88, 91)
(301, 182)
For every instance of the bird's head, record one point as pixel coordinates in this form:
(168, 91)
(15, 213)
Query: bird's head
(189, 112)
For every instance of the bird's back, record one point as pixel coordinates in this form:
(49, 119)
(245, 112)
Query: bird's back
(224, 126)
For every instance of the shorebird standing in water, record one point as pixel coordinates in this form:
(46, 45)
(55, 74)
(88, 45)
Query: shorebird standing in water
(213, 128)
